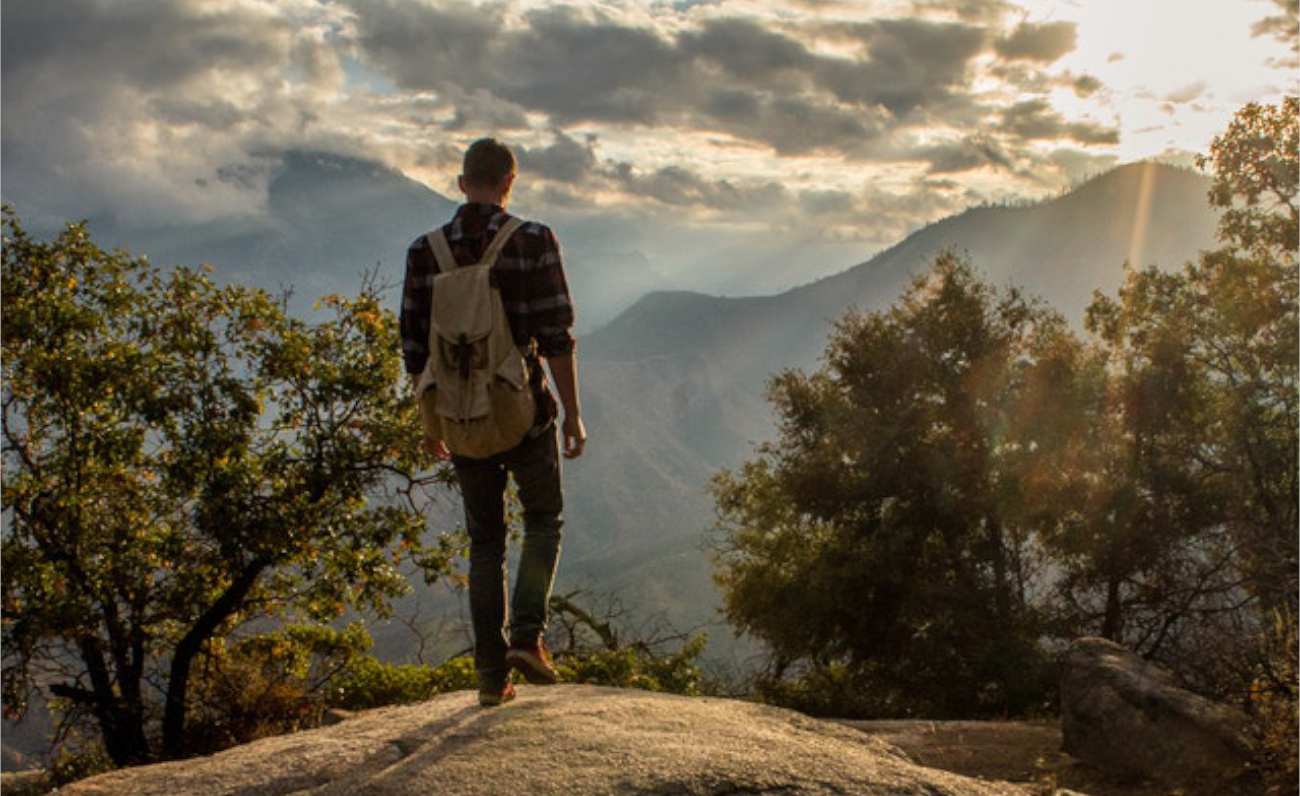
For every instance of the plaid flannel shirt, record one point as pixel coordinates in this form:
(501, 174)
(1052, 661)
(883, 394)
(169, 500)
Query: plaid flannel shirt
(530, 276)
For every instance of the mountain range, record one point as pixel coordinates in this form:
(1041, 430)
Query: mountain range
(329, 218)
(674, 386)
(673, 382)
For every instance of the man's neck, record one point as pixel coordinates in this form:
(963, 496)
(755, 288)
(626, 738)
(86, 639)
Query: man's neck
(486, 200)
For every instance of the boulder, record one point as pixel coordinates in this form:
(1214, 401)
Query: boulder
(575, 740)
(1127, 715)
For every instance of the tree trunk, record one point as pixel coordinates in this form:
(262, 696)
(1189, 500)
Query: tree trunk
(1110, 627)
(188, 647)
(121, 728)
(1001, 585)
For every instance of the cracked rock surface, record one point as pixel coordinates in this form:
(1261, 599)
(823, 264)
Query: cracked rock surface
(576, 740)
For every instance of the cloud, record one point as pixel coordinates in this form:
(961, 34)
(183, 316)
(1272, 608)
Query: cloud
(1284, 28)
(679, 186)
(984, 11)
(876, 213)
(1037, 120)
(565, 159)
(1187, 93)
(1077, 165)
(1085, 85)
(908, 62)
(971, 152)
(717, 112)
(479, 109)
(127, 109)
(1038, 42)
(731, 75)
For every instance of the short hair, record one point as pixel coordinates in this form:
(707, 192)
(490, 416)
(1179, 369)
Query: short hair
(487, 162)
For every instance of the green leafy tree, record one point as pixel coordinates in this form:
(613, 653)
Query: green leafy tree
(874, 546)
(1205, 361)
(181, 458)
(1203, 366)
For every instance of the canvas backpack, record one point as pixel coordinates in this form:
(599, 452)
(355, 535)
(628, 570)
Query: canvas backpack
(474, 392)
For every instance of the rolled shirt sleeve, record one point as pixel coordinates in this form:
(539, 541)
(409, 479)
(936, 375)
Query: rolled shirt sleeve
(549, 304)
(417, 302)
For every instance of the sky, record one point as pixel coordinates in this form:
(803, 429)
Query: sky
(698, 128)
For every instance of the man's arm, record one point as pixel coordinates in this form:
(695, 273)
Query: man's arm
(417, 302)
(564, 372)
(551, 316)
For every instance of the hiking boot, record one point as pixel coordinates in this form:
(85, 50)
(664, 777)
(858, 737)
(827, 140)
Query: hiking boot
(491, 698)
(534, 662)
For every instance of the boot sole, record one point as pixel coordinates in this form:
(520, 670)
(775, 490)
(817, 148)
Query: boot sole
(493, 701)
(533, 668)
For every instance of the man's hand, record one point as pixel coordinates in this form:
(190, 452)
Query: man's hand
(575, 436)
(438, 448)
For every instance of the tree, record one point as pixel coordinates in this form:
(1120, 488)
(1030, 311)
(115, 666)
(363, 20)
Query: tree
(1117, 499)
(182, 458)
(872, 543)
(1208, 356)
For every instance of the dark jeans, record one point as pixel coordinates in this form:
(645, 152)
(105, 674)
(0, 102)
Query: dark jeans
(535, 465)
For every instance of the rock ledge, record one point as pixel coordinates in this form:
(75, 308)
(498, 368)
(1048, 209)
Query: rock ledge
(565, 739)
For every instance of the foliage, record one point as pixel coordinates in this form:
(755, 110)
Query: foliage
(1177, 500)
(1273, 702)
(370, 683)
(285, 680)
(78, 760)
(181, 458)
(636, 667)
(600, 650)
(875, 536)
(965, 478)
(1256, 182)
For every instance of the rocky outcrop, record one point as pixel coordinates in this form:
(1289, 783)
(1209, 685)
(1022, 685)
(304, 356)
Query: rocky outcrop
(565, 739)
(1123, 713)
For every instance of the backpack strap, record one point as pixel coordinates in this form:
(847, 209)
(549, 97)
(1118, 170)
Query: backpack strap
(443, 261)
(498, 243)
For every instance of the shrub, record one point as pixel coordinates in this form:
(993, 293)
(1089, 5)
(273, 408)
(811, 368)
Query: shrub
(1273, 703)
(636, 667)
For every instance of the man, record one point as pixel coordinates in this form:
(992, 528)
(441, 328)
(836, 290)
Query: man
(530, 276)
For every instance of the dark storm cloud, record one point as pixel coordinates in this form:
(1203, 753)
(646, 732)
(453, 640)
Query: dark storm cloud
(1037, 120)
(1038, 42)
